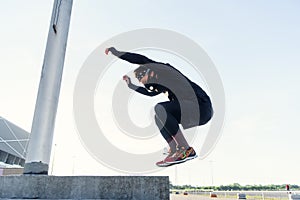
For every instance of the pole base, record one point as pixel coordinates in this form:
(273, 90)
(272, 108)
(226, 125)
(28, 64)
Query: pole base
(36, 168)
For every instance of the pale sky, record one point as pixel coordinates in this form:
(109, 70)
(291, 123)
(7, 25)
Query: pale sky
(255, 46)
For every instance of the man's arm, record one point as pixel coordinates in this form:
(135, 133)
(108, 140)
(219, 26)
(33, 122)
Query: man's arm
(138, 89)
(130, 57)
(142, 90)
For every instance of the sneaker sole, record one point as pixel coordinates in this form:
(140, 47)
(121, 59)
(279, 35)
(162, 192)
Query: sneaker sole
(164, 164)
(181, 161)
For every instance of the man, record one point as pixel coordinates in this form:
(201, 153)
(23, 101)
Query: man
(188, 103)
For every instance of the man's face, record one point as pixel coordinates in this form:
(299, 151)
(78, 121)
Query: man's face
(144, 80)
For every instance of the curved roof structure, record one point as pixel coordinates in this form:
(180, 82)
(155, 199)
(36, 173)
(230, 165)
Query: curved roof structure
(13, 143)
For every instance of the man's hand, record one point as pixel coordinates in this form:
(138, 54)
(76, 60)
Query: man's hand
(110, 49)
(127, 79)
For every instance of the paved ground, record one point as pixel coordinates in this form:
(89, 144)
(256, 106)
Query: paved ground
(194, 197)
(230, 195)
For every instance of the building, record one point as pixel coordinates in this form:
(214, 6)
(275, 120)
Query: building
(13, 144)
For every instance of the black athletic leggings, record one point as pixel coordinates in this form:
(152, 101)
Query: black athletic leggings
(168, 117)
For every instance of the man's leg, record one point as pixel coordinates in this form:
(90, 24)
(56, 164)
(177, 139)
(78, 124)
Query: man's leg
(167, 118)
(166, 135)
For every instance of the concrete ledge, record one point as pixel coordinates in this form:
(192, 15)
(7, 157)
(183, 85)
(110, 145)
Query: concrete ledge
(84, 187)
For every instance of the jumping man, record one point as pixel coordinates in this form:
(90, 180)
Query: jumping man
(188, 103)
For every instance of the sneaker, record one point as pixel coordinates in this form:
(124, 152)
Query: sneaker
(163, 163)
(166, 151)
(181, 156)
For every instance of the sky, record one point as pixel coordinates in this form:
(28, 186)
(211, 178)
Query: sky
(255, 46)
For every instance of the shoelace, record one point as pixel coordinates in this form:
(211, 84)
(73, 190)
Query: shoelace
(179, 150)
(169, 153)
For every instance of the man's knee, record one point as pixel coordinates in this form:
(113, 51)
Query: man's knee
(159, 110)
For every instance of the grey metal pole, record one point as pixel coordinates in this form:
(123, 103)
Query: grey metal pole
(40, 143)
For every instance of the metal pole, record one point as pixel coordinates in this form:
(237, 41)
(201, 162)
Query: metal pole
(40, 143)
(212, 172)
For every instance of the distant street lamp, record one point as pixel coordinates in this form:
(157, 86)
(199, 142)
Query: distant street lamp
(211, 172)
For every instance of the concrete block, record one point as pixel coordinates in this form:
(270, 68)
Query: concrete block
(84, 187)
(294, 196)
(241, 196)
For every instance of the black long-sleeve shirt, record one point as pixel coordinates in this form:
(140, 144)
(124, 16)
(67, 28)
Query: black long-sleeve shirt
(168, 79)
(143, 90)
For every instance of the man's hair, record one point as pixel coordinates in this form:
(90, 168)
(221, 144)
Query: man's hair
(141, 71)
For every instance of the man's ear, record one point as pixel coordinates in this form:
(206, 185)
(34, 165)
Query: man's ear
(152, 73)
